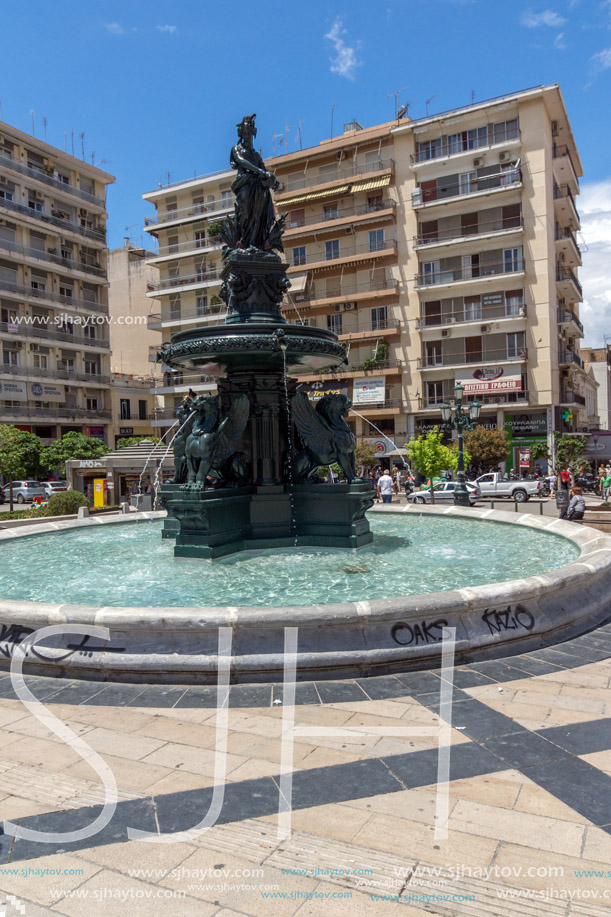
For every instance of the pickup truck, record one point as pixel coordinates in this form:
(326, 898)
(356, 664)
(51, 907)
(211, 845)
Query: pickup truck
(497, 485)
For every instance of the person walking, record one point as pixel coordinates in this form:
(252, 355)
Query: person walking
(605, 483)
(576, 508)
(386, 487)
(565, 478)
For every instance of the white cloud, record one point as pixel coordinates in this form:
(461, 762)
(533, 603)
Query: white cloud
(115, 28)
(346, 59)
(601, 61)
(547, 17)
(559, 42)
(170, 29)
(595, 275)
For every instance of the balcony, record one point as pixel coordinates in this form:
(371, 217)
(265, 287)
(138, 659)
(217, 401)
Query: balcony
(68, 375)
(41, 255)
(472, 314)
(565, 204)
(443, 148)
(97, 235)
(341, 215)
(361, 331)
(388, 406)
(192, 246)
(199, 279)
(347, 291)
(567, 244)
(175, 381)
(566, 279)
(7, 286)
(319, 257)
(32, 412)
(157, 320)
(472, 272)
(338, 173)
(203, 211)
(356, 371)
(568, 396)
(444, 192)
(437, 360)
(42, 176)
(563, 165)
(568, 358)
(483, 229)
(51, 334)
(566, 317)
(499, 398)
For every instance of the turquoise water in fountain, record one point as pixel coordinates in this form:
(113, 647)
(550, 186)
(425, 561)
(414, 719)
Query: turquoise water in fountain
(130, 564)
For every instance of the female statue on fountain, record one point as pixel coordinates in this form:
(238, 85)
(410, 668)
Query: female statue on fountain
(254, 209)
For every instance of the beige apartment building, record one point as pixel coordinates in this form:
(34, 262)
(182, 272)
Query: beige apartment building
(439, 250)
(55, 367)
(597, 360)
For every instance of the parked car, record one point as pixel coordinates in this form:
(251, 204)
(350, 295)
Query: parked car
(520, 490)
(54, 487)
(25, 491)
(444, 492)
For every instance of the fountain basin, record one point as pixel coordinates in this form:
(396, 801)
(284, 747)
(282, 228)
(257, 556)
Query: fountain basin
(369, 636)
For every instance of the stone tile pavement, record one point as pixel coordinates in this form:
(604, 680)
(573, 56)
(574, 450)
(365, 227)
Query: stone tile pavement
(528, 825)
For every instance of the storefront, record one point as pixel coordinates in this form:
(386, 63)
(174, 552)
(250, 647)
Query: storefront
(115, 477)
(524, 430)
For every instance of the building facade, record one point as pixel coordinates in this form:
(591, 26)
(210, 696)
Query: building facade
(597, 360)
(133, 407)
(132, 342)
(441, 250)
(55, 367)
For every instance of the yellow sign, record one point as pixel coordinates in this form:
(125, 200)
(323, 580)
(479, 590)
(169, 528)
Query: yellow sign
(98, 492)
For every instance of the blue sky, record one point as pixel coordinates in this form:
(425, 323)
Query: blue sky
(157, 87)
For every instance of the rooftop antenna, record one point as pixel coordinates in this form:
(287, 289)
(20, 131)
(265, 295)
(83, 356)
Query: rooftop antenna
(32, 114)
(44, 126)
(287, 128)
(72, 140)
(299, 134)
(405, 108)
(92, 157)
(472, 96)
(332, 110)
(427, 103)
(274, 138)
(396, 94)
(65, 141)
(82, 136)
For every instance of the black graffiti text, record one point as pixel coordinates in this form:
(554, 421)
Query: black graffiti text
(415, 634)
(500, 620)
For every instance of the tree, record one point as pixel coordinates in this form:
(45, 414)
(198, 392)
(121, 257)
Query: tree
(365, 456)
(431, 457)
(569, 450)
(126, 441)
(486, 447)
(71, 446)
(20, 455)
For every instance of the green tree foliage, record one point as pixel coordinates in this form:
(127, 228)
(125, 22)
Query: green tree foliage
(429, 455)
(486, 447)
(65, 504)
(20, 454)
(71, 446)
(365, 456)
(569, 450)
(126, 441)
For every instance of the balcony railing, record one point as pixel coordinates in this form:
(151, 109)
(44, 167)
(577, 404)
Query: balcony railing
(191, 245)
(450, 190)
(442, 148)
(563, 191)
(182, 280)
(29, 410)
(560, 150)
(377, 366)
(563, 233)
(98, 235)
(387, 404)
(203, 210)
(9, 286)
(568, 396)
(457, 274)
(42, 255)
(342, 213)
(156, 319)
(346, 291)
(433, 360)
(473, 314)
(565, 316)
(432, 403)
(567, 356)
(468, 232)
(42, 176)
(318, 255)
(565, 274)
(180, 379)
(67, 374)
(308, 179)
(50, 333)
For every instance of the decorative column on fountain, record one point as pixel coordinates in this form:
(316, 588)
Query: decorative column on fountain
(246, 467)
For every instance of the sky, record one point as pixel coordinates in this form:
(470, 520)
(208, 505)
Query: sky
(157, 87)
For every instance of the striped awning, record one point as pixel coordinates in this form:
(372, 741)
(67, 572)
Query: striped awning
(370, 185)
(314, 195)
(298, 283)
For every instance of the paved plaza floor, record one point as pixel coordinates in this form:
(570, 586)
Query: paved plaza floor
(528, 829)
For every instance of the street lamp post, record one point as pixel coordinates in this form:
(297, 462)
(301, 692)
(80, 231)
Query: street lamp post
(455, 418)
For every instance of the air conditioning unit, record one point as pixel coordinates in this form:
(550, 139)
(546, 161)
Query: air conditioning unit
(39, 196)
(349, 230)
(338, 307)
(339, 154)
(3, 180)
(478, 161)
(555, 129)
(349, 305)
(446, 333)
(484, 328)
(280, 186)
(503, 156)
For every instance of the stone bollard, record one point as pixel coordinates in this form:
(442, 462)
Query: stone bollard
(83, 512)
(125, 508)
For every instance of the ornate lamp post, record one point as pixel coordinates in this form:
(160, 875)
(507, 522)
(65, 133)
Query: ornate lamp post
(454, 418)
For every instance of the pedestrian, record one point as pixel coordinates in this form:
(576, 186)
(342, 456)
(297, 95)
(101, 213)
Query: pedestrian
(576, 508)
(606, 485)
(565, 478)
(386, 487)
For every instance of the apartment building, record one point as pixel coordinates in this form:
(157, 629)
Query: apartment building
(133, 407)
(189, 263)
(440, 250)
(55, 366)
(132, 343)
(597, 360)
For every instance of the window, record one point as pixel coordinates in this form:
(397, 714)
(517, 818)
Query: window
(91, 403)
(66, 364)
(334, 323)
(332, 250)
(200, 239)
(297, 218)
(6, 195)
(66, 291)
(511, 216)
(467, 182)
(226, 199)
(172, 244)
(379, 318)
(38, 241)
(505, 130)
(174, 303)
(429, 149)
(198, 202)
(512, 259)
(516, 343)
(509, 174)
(66, 326)
(470, 266)
(432, 312)
(66, 251)
(514, 302)
(473, 308)
(375, 202)
(330, 212)
(299, 255)
(37, 283)
(430, 269)
(433, 353)
(376, 240)
(201, 305)
(40, 361)
(142, 410)
(328, 172)
(125, 409)
(89, 331)
(201, 271)
(92, 367)
(33, 203)
(10, 357)
(434, 392)
(477, 137)
(373, 160)
(62, 177)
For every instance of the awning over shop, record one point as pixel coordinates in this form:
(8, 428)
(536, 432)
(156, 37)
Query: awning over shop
(314, 195)
(371, 185)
